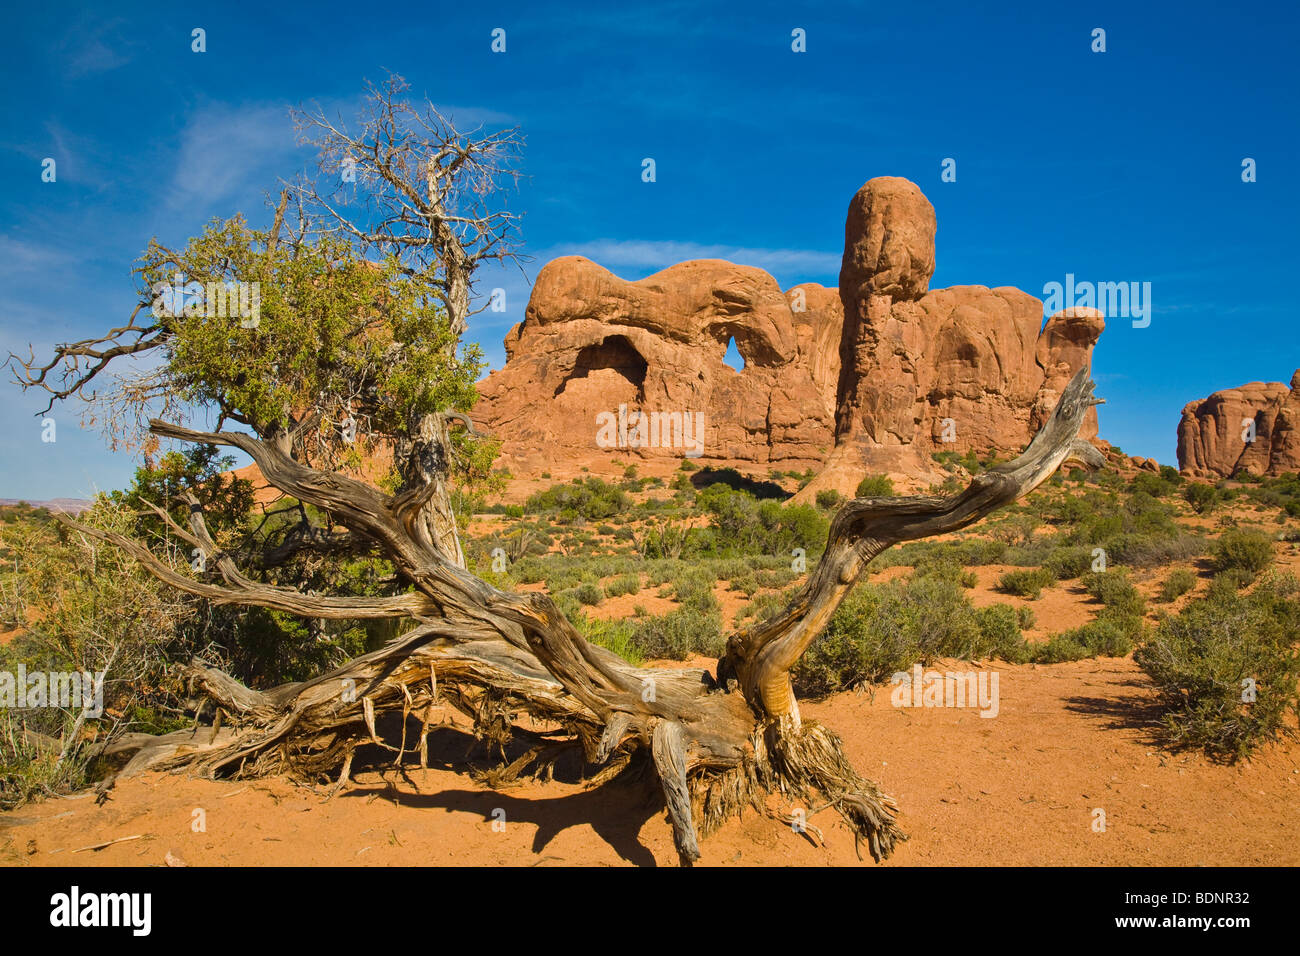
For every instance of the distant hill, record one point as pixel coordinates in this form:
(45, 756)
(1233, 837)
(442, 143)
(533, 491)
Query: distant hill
(72, 506)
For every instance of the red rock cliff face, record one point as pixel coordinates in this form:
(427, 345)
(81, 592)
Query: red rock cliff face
(1213, 432)
(872, 377)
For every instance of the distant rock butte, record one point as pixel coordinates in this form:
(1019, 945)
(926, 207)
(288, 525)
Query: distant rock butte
(868, 378)
(1213, 432)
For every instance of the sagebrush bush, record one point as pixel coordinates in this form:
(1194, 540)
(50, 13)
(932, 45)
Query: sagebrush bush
(1026, 582)
(1103, 637)
(1243, 549)
(623, 584)
(1068, 563)
(1179, 582)
(616, 636)
(679, 634)
(1227, 667)
(1114, 589)
(880, 630)
(694, 592)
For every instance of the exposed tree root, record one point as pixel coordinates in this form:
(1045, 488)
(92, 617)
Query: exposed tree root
(808, 763)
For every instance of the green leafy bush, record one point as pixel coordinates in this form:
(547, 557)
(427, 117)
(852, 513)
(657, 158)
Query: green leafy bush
(829, 499)
(588, 594)
(590, 498)
(1202, 497)
(875, 486)
(884, 629)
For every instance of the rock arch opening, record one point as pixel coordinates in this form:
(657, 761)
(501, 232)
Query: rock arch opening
(617, 354)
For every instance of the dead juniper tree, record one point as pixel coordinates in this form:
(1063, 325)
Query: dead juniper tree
(378, 339)
(409, 185)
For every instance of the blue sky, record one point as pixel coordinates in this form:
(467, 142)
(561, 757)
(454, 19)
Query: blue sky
(1115, 166)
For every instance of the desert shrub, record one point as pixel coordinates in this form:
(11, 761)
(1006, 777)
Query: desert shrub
(855, 648)
(763, 606)
(979, 551)
(1027, 616)
(75, 605)
(726, 569)
(907, 555)
(1229, 581)
(776, 577)
(1027, 582)
(1104, 637)
(944, 564)
(1015, 530)
(878, 631)
(679, 634)
(530, 570)
(829, 498)
(1153, 550)
(1244, 549)
(616, 636)
(1033, 554)
(1157, 486)
(1179, 582)
(746, 584)
(588, 594)
(661, 571)
(1226, 668)
(1069, 562)
(875, 486)
(1280, 491)
(694, 592)
(565, 578)
(623, 584)
(744, 525)
(1000, 627)
(1114, 589)
(1202, 497)
(590, 498)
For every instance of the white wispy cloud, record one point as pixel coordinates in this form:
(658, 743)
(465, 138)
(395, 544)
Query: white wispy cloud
(19, 256)
(232, 152)
(88, 48)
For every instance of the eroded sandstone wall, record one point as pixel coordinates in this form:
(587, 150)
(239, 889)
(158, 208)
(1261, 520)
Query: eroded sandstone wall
(870, 377)
(1213, 432)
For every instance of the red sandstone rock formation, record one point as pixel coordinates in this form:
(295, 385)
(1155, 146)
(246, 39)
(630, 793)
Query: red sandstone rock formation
(1213, 433)
(872, 377)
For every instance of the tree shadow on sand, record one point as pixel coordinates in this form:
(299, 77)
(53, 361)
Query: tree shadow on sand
(616, 811)
(1135, 711)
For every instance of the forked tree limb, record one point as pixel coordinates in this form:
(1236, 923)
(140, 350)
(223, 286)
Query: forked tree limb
(761, 657)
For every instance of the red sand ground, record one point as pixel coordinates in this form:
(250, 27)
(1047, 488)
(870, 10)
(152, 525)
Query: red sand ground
(1016, 789)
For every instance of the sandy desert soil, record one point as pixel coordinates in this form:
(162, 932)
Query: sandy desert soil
(1017, 789)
